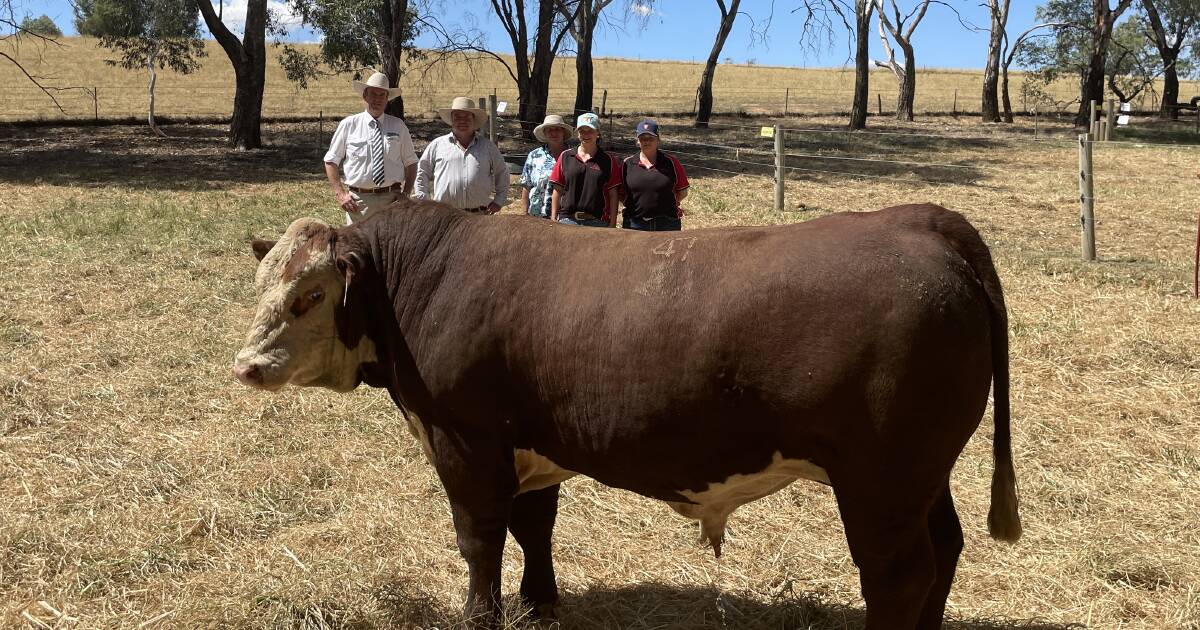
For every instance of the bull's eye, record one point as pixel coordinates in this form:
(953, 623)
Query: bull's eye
(307, 300)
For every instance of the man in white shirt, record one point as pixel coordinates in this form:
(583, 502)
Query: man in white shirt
(374, 150)
(466, 169)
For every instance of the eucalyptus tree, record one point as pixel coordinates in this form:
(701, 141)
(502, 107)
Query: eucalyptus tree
(998, 17)
(531, 68)
(1170, 25)
(248, 56)
(819, 23)
(901, 27)
(582, 17)
(705, 98)
(357, 34)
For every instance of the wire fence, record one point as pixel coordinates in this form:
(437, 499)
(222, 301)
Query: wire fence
(208, 100)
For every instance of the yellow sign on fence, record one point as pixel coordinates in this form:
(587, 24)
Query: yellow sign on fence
(767, 132)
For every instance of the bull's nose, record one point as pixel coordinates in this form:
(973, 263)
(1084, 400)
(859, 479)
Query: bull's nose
(248, 374)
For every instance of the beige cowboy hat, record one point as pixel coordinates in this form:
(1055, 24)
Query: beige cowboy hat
(463, 103)
(553, 120)
(376, 80)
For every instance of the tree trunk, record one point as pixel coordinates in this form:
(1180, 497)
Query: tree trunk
(862, 64)
(583, 76)
(585, 27)
(248, 58)
(244, 128)
(1091, 84)
(393, 16)
(1008, 115)
(1170, 94)
(704, 111)
(1168, 45)
(150, 59)
(989, 107)
(908, 85)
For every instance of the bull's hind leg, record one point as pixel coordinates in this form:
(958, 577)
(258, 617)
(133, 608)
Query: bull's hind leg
(889, 541)
(532, 525)
(946, 534)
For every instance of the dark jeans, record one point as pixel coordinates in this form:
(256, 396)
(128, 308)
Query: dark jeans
(565, 220)
(654, 224)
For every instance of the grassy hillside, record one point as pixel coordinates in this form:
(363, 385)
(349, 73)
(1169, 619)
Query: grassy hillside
(79, 62)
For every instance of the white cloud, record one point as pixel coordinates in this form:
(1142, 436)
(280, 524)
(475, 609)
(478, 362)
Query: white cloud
(234, 15)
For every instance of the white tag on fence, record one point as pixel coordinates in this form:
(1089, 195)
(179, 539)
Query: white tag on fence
(501, 106)
(767, 132)
(1123, 119)
(1126, 107)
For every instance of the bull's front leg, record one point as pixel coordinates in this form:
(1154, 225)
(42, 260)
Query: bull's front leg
(477, 472)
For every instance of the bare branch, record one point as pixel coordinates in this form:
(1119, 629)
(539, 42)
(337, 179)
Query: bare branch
(41, 87)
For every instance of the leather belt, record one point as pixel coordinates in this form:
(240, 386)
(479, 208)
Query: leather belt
(585, 216)
(397, 187)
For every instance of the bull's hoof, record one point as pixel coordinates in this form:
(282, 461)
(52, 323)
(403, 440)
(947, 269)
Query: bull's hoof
(546, 616)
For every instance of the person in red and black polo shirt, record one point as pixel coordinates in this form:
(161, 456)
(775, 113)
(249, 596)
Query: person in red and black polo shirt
(586, 180)
(655, 184)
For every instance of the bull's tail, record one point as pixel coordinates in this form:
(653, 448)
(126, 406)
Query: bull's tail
(1003, 521)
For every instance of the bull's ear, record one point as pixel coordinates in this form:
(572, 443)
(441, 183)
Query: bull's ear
(261, 247)
(350, 264)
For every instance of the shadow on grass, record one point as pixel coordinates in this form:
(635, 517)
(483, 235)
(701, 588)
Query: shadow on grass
(191, 157)
(653, 605)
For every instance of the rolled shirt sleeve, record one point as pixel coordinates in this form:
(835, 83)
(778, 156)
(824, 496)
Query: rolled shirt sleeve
(408, 153)
(337, 144)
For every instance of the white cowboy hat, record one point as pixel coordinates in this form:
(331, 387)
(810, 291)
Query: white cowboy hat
(376, 80)
(552, 120)
(463, 103)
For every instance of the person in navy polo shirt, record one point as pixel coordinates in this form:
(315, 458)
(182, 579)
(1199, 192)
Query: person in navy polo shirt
(586, 180)
(655, 184)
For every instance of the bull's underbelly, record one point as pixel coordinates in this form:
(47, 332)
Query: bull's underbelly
(711, 506)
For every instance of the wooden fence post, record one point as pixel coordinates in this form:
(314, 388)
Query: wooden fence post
(320, 129)
(1087, 216)
(1110, 119)
(1035, 121)
(786, 93)
(955, 110)
(879, 101)
(778, 168)
(1092, 126)
(603, 100)
(492, 117)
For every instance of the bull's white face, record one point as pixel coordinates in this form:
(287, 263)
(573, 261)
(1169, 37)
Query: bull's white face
(293, 337)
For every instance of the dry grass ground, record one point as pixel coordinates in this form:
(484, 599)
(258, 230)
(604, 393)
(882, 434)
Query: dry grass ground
(140, 486)
(209, 92)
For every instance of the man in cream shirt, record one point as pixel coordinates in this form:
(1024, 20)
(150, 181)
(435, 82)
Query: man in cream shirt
(463, 168)
(375, 153)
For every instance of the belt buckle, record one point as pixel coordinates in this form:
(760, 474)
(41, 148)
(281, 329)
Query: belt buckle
(583, 216)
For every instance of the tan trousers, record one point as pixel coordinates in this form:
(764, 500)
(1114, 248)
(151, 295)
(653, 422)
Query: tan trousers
(369, 203)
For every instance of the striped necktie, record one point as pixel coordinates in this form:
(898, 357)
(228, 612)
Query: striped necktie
(377, 174)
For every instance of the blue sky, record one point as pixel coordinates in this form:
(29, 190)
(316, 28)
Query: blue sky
(684, 30)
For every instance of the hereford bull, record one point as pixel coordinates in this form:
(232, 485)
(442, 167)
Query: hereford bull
(706, 368)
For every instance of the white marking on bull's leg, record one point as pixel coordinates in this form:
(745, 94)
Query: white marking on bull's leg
(535, 471)
(418, 431)
(713, 505)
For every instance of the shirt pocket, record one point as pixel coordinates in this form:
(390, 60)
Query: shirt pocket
(358, 149)
(395, 147)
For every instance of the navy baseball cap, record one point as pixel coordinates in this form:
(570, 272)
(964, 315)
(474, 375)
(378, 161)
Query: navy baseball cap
(647, 126)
